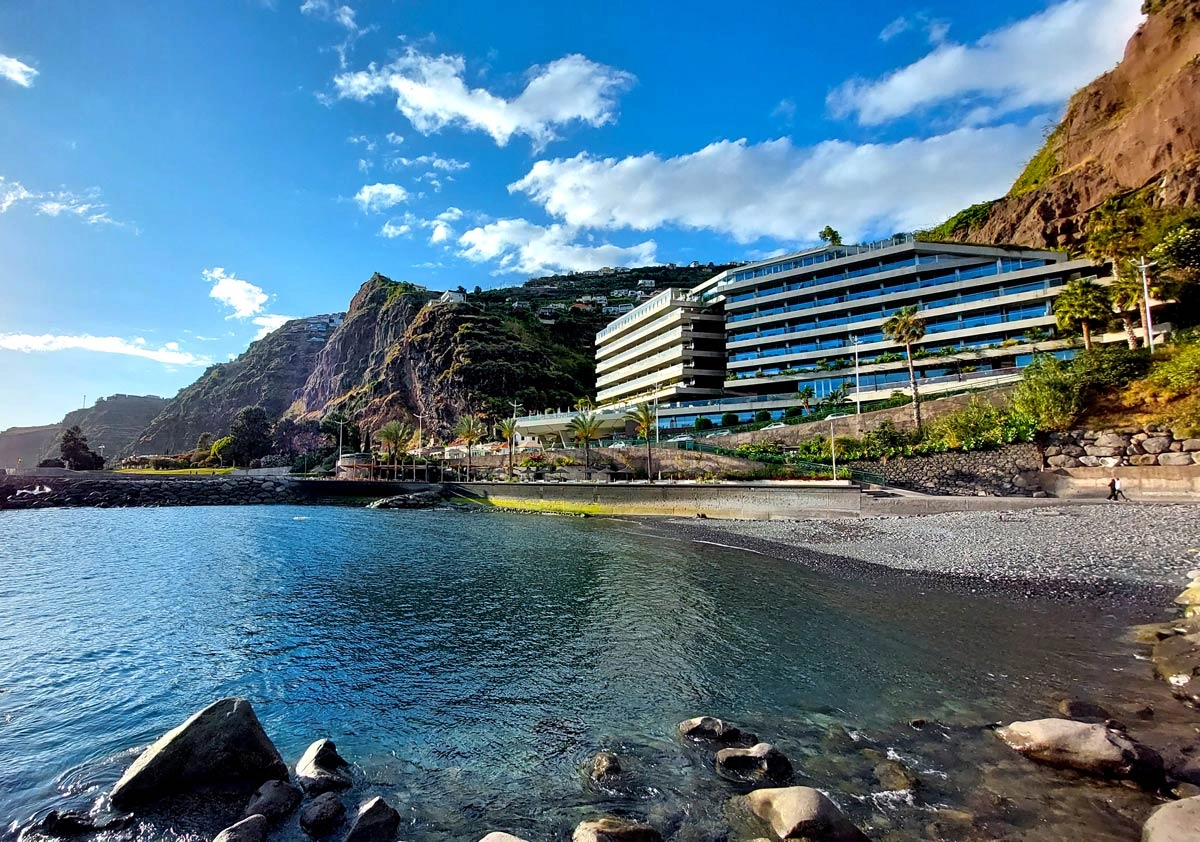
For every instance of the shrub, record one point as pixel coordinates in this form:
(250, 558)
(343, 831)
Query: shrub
(730, 419)
(762, 415)
(703, 423)
(1179, 373)
(1048, 396)
(51, 463)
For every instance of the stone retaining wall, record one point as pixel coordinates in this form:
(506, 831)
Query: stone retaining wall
(1011, 471)
(1146, 446)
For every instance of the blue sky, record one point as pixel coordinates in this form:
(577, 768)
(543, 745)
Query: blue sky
(176, 178)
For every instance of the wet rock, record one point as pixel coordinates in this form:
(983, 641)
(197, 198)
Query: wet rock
(1079, 709)
(1085, 747)
(1177, 661)
(322, 769)
(221, 747)
(713, 730)
(322, 815)
(605, 765)
(894, 776)
(1185, 790)
(496, 836)
(613, 829)
(77, 823)
(377, 821)
(1178, 821)
(275, 800)
(762, 763)
(801, 812)
(251, 829)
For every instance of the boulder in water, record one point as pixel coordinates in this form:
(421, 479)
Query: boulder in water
(377, 821)
(761, 763)
(894, 776)
(1080, 709)
(322, 769)
(613, 829)
(275, 800)
(322, 815)
(251, 829)
(77, 823)
(1178, 821)
(223, 747)
(605, 765)
(712, 730)
(1085, 747)
(496, 836)
(801, 812)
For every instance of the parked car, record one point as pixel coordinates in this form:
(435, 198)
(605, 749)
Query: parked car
(778, 425)
(718, 434)
(679, 439)
(619, 444)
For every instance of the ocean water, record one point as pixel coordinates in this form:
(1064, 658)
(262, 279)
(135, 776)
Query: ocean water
(469, 665)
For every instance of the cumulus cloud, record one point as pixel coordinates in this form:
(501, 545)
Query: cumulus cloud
(168, 354)
(434, 160)
(1037, 61)
(518, 245)
(87, 206)
(394, 139)
(268, 323)
(374, 198)
(17, 71)
(431, 93)
(776, 189)
(897, 27)
(440, 228)
(391, 229)
(242, 297)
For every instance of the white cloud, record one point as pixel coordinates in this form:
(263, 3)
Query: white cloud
(431, 93)
(168, 354)
(897, 27)
(517, 245)
(392, 230)
(364, 166)
(88, 206)
(1037, 61)
(269, 323)
(434, 160)
(17, 72)
(785, 111)
(440, 227)
(362, 140)
(373, 198)
(394, 139)
(328, 10)
(776, 189)
(244, 298)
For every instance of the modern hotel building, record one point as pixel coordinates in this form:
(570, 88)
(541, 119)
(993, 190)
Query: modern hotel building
(760, 336)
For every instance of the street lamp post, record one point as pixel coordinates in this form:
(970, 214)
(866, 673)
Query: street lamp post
(857, 383)
(1143, 265)
(420, 445)
(657, 435)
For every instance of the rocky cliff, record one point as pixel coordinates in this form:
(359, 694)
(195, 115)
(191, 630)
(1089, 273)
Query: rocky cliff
(269, 373)
(399, 354)
(113, 422)
(1136, 128)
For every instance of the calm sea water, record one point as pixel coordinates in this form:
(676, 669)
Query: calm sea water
(470, 664)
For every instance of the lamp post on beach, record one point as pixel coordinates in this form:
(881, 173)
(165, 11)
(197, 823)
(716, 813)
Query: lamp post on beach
(1143, 265)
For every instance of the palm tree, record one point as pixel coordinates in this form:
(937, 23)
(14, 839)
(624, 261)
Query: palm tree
(906, 328)
(1082, 302)
(507, 430)
(806, 396)
(643, 420)
(584, 427)
(392, 435)
(1126, 296)
(471, 430)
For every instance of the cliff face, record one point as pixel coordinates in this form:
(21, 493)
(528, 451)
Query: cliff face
(269, 373)
(398, 355)
(1137, 127)
(113, 422)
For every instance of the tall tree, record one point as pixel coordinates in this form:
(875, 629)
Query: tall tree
(1127, 297)
(350, 435)
(806, 395)
(906, 327)
(507, 430)
(471, 430)
(76, 454)
(1178, 255)
(393, 434)
(283, 437)
(250, 430)
(1082, 303)
(584, 428)
(644, 421)
(830, 235)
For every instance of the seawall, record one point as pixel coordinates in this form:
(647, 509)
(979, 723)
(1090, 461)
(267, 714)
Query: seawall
(749, 501)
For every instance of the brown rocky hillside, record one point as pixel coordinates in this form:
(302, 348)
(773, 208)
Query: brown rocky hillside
(1136, 128)
(113, 422)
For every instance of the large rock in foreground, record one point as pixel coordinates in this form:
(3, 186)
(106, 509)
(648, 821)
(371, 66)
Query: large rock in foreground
(377, 821)
(250, 829)
(1178, 821)
(1090, 748)
(613, 829)
(801, 812)
(762, 763)
(223, 747)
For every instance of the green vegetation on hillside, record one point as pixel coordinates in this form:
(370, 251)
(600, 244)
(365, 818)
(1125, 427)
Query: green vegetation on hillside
(961, 224)
(1042, 167)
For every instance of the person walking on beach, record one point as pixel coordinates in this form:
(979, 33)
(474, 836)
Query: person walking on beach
(1114, 489)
